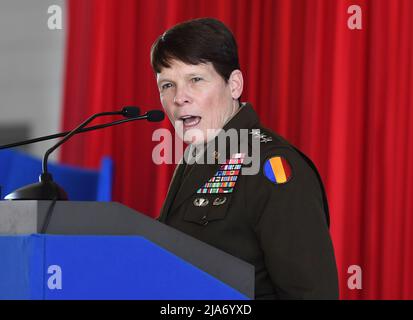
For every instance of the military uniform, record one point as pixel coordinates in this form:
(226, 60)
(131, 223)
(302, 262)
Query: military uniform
(277, 220)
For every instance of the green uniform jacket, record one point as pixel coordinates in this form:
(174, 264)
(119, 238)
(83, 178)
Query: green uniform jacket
(282, 228)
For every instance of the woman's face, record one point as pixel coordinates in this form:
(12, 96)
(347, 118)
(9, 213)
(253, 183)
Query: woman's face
(197, 99)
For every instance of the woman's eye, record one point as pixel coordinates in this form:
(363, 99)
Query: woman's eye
(166, 86)
(196, 79)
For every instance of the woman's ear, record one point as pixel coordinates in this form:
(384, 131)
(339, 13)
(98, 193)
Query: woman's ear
(236, 83)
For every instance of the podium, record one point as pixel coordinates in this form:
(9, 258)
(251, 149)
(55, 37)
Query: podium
(104, 250)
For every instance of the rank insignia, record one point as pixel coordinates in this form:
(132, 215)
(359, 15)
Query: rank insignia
(277, 170)
(262, 136)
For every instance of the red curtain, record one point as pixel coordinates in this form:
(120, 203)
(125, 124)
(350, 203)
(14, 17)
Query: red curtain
(340, 95)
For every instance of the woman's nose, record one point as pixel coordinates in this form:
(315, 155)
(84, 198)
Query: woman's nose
(181, 96)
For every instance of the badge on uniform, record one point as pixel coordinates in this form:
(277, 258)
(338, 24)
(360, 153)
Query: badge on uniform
(218, 201)
(201, 202)
(277, 170)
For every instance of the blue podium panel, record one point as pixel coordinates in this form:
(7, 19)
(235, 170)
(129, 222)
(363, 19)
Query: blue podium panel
(19, 278)
(100, 267)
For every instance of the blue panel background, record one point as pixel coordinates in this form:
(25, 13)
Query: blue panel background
(14, 268)
(102, 267)
(21, 263)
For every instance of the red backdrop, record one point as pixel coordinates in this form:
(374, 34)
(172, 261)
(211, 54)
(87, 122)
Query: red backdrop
(340, 95)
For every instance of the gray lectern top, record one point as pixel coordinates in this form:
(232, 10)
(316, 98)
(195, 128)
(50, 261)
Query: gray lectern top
(111, 218)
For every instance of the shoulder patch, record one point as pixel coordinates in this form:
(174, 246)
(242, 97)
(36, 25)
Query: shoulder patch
(277, 170)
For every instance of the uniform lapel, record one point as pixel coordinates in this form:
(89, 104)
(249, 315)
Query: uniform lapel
(198, 175)
(172, 190)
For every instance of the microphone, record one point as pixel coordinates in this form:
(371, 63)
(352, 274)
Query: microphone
(155, 115)
(130, 112)
(46, 188)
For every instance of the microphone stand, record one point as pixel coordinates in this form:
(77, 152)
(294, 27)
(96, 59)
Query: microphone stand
(46, 188)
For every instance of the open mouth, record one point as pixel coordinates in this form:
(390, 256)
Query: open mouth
(190, 121)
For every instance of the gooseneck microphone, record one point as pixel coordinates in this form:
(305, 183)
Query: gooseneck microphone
(155, 115)
(46, 188)
(127, 112)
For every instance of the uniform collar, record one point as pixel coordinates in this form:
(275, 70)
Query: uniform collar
(245, 118)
